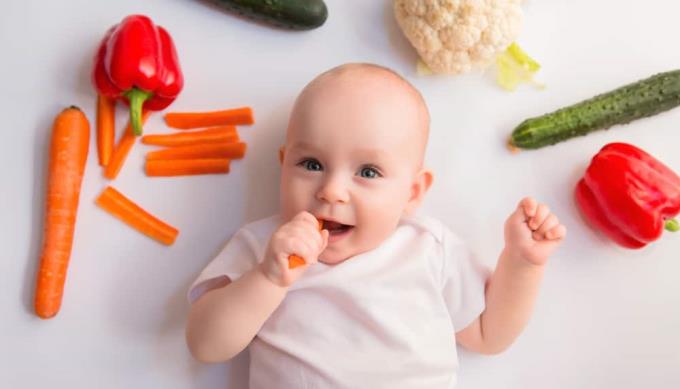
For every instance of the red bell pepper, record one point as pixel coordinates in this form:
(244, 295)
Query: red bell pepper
(629, 195)
(137, 63)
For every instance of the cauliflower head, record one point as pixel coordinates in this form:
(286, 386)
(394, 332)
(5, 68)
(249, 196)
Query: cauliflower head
(456, 36)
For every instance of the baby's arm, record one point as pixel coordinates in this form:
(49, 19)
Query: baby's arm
(225, 320)
(532, 233)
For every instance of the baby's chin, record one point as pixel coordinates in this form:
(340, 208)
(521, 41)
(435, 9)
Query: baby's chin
(334, 256)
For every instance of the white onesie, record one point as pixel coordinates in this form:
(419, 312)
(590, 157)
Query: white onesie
(382, 319)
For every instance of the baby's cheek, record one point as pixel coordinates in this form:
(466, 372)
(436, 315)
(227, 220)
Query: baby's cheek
(380, 222)
(295, 196)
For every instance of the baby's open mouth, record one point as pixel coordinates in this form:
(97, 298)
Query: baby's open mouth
(335, 228)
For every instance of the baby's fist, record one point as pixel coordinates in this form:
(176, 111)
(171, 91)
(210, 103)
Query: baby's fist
(532, 232)
(301, 237)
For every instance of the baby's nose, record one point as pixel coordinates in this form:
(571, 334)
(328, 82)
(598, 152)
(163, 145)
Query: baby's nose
(333, 190)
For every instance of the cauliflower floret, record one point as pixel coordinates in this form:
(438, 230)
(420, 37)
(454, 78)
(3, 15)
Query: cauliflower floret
(455, 36)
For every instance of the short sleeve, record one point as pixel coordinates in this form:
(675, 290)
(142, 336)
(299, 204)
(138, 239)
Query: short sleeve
(237, 257)
(463, 281)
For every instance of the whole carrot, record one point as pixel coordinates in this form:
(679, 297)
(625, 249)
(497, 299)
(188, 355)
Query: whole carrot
(68, 153)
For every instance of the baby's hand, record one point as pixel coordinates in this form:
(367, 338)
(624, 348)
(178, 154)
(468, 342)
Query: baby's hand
(301, 237)
(532, 232)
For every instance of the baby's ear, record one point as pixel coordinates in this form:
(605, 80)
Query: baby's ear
(421, 184)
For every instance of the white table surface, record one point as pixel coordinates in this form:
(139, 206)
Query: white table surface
(605, 318)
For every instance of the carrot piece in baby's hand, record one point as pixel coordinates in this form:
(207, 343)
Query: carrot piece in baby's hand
(296, 261)
(228, 150)
(219, 134)
(186, 167)
(189, 120)
(133, 215)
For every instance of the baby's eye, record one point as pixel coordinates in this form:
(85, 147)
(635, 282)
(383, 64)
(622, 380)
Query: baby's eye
(369, 172)
(311, 165)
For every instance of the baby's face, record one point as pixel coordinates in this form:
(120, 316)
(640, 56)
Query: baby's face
(352, 151)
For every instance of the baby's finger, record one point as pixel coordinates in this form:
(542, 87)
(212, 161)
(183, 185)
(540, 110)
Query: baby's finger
(301, 218)
(310, 239)
(557, 232)
(308, 218)
(306, 232)
(301, 249)
(528, 205)
(324, 236)
(319, 242)
(541, 213)
(549, 223)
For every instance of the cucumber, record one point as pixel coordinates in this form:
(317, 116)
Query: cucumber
(289, 14)
(640, 99)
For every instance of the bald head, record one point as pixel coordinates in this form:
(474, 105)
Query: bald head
(354, 153)
(365, 92)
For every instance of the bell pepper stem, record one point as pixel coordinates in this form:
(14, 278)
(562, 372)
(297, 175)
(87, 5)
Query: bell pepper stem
(137, 97)
(672, 225)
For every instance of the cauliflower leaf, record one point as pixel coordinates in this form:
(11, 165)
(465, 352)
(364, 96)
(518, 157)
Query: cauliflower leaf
(514, 66)
(422, 69)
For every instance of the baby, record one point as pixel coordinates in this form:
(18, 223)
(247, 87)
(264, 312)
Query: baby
(384, 295)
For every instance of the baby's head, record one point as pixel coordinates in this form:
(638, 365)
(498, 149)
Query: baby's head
(353, 156)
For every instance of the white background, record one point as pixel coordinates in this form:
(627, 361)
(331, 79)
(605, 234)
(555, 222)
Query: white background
(605, 318)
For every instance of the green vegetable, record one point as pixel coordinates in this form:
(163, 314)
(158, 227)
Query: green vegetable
(672, 225)
(514, 66)
(291, 14)
(422, 69)
(640, 99)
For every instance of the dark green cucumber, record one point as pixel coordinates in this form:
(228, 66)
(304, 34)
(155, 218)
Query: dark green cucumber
(290, 14)
(640, 99)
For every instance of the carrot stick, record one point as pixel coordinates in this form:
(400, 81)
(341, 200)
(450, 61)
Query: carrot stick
(186, 167)
(297, 261)
(133, 215)
(106, 124)
(218, 150)
(68, 154)
(211, 135)
(122, 150)
(188, 120)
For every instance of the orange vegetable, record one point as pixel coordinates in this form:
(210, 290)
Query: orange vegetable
(296, 261)
(68, 154)
(132, 214)
(211, 135)
(189, 120)
(282, 151)
(122, 150)
(186, 167)
(106, 124)
(218, 150)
